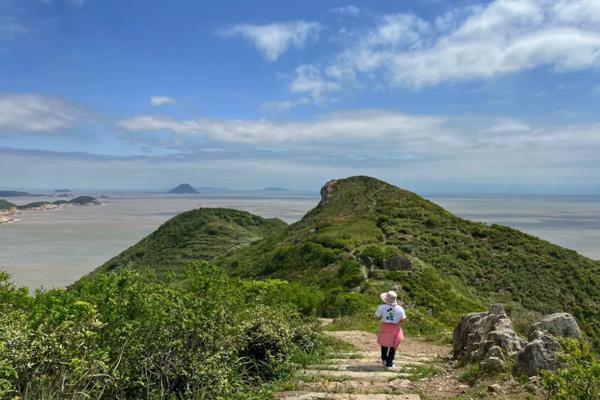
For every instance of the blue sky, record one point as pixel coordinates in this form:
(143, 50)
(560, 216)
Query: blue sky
(434, 96)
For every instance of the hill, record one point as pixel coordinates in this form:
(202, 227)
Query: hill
(365, 236)
(6, 205)
(84, 201)
(200, 234)
(183, 189)
(62, 191)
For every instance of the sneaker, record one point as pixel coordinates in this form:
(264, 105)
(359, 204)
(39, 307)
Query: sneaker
(390, 366)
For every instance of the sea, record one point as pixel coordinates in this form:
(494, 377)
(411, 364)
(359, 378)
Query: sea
(54, 248)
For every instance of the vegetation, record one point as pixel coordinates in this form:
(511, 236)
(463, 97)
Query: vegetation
(200, 234)
(35, 204)
(126, 335)
(578, 374)
(6, 205)
(458, 266)
(84, 200)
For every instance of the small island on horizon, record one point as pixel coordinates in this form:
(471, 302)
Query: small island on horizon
(184, 188)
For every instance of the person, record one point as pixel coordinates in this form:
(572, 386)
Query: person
(391, 315)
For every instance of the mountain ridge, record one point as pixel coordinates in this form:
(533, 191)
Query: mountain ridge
(364, 231)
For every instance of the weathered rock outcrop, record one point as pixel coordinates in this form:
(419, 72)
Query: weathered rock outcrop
(538, 354)
(397, 263)
(489, 338)
(486, 335)
(558, 324)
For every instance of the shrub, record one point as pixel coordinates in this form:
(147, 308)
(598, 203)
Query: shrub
(578, 374)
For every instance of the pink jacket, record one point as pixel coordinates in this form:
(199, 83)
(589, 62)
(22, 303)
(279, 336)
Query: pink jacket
(390, 335)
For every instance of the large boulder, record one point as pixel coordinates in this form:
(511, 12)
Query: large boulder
(397, 263)
(558, 325)
(479, 336)
(538, 354)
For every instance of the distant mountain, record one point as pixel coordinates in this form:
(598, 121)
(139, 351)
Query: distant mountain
(184, 188)
(62, 191)
(14, 193)
(275, 189)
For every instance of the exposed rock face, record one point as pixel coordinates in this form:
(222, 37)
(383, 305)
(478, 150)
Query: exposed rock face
(559, 325)
(397, 263)
(540, 353)
(489, 338)
(326, 191)
(480, 336)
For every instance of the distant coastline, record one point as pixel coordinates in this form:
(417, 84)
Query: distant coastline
(8, 210)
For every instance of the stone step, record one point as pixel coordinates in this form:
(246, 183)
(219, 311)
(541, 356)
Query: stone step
(360, 361)
(394, 386)
(377, 355)
(344, 396)
(359, 367)
(374, 376)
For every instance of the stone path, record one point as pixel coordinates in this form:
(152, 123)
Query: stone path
(358, 375)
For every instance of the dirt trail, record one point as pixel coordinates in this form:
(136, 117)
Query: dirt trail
(358, 375)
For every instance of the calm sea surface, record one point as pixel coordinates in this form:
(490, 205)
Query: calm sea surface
(56, 247)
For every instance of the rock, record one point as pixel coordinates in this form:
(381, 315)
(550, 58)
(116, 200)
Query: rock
(492, 364)
(538, 354)
(494, 388)
(477, 333)
(558, 325)
(397, 263)
(326, 191)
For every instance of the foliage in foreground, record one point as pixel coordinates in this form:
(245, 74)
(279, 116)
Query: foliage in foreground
(578, 374)
(125, 335)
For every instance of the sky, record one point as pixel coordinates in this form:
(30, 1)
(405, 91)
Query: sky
(435, 96)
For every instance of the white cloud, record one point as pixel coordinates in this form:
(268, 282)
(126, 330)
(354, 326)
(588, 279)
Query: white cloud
(285, 105)
(359, 125)
(158, 101)
(349, 10)
(309, 80)
(502, 37)
(275, 39)
(36, 113)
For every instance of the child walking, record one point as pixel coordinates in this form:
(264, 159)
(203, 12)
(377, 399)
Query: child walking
(391, 315)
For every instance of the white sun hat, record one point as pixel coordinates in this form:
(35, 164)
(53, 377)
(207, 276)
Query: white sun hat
(389, 297)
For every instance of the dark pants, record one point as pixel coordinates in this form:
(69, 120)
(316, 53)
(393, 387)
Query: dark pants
(387, 355)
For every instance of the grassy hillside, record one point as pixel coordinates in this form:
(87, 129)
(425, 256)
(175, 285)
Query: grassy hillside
(457, 264)
(199, 234)
(366, 236)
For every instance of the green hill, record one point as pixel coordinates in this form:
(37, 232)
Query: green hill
(365, 231)
(5, 205)
(200, 234)
(366, 236)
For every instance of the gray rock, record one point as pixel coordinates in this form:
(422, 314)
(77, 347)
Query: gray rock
(397, 263)
(558, 325)
(492, 364)
(538, 354)
(477, 333)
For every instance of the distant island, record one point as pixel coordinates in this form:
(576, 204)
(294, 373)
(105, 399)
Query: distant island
(14, 193)
(184, 188)
(275, 189)
(8, 209)
(62, 191)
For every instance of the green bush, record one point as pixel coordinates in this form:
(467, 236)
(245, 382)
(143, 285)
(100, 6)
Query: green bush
(578, 374)
(125, 335)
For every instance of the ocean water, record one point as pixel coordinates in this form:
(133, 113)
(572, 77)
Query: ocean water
(54, 248)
